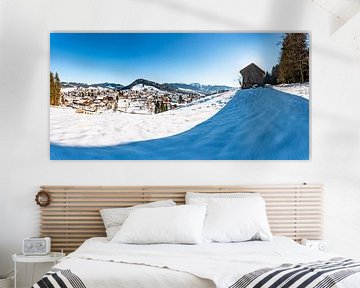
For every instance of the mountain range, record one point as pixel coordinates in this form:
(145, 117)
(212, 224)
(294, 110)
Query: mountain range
(204, 89)
(85, 85)
(171, 87)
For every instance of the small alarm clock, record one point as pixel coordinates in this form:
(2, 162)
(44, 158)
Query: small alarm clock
(36, 246)
(320, 245)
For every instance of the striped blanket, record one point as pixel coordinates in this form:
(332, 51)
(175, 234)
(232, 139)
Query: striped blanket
(320, 274)
(59, 278)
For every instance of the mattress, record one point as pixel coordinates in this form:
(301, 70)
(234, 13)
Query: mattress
(99, 263)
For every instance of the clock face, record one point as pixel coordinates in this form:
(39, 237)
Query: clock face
(322, 247)
(40, 245)
(29, 245)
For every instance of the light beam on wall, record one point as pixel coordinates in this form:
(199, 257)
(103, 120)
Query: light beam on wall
(340, 10)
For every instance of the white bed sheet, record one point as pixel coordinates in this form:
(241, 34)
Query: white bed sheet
(101, 274)
(100, 263)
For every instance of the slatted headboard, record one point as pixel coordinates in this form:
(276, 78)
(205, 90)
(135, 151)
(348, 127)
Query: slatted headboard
(73, 215)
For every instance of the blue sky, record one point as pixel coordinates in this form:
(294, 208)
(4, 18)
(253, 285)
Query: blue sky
(207, 58)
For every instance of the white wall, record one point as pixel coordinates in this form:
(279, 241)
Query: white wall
(24, 115)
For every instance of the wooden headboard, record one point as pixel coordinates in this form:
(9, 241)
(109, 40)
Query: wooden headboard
(73, 215)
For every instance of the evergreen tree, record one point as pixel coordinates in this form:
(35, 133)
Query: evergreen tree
(294, 59)
(57, 89)
(267, 78)
(271, 78)
(274, 74)
(157, 107)
(162, 106)
(180, 99)
(52, 89)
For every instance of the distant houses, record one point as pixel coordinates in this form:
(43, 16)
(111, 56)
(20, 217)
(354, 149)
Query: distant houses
(252, 75)
(140, 99)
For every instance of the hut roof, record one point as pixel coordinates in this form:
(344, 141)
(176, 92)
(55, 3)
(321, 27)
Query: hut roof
(251, 67)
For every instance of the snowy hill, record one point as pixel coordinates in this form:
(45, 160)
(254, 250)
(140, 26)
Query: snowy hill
(120, 128)
(143, 87)
(148, 83)
(299, 89)
(258, 124)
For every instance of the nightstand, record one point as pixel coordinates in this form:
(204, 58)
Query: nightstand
(320, 245)
(52, 257)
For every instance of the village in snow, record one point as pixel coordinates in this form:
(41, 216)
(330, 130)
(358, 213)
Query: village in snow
(140, 97)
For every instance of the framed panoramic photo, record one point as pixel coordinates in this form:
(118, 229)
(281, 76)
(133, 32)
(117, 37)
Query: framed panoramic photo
(179, 96)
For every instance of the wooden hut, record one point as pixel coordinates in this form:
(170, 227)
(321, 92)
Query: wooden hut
(252, 75)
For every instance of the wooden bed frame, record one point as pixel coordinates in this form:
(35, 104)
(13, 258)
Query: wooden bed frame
(73, 215)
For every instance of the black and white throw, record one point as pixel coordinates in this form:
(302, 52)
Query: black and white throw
(333, 273)
(319, 274)
(59, 278)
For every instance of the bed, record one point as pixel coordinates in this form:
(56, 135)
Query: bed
(99, 263)
(293, 210)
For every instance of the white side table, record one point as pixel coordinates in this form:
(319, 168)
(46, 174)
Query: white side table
(53, 257)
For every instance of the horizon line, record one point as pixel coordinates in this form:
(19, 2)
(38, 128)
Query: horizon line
(187, 83)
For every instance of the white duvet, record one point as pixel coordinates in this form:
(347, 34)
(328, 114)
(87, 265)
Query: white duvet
(100, 263)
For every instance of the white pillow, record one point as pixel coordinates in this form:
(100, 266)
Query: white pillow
(204, 198)
(173, 225)
(113, 218)
(236, 220)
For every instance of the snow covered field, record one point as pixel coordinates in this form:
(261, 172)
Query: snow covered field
(299, 89)
(256, 124)
(72, 129)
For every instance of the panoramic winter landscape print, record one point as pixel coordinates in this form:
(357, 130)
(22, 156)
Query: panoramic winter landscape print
(179, 96)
